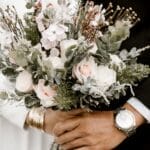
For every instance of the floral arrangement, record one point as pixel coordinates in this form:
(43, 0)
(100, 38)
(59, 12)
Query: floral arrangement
(67, 55)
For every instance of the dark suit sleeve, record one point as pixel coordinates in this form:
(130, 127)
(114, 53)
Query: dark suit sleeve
(140, 37)
(142, 92)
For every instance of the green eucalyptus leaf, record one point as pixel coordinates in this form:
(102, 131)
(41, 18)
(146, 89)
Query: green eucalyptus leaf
(9, 71)
(19, 57)
(31, 102)
(3, 95)
(69, 53)
(48, 68)
(29, 5)
(35, 55)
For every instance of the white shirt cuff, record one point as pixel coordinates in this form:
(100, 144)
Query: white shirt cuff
(12, 110)
(140, 107)
(15, 112)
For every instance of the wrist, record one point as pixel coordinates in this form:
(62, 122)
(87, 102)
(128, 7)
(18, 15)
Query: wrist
(50, 119)
(139, 119)
(47, 124)
(127, 119)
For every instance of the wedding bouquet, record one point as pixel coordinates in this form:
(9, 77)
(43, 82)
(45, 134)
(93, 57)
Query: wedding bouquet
(67, 55)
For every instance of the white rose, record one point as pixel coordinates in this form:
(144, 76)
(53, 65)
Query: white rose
(24, 82)
(115, 60)
(85, 69)
(45, 93)
(105, 77)
(65, 45)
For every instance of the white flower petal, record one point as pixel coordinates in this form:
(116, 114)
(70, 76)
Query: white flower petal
(24, 82)
(45, 93)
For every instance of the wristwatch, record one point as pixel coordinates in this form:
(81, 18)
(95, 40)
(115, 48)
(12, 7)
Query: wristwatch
(125, 121)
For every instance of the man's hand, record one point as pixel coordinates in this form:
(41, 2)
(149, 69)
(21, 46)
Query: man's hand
(91, 131)
(53, 117)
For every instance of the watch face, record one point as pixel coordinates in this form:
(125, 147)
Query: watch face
(125, 119)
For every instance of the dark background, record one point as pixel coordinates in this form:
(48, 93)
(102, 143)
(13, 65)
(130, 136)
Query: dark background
(140, 37)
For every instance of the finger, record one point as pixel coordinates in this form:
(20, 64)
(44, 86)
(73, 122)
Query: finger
(95, 147)
(80, 142)
(65, 126)
(83, 148)
(68, 136)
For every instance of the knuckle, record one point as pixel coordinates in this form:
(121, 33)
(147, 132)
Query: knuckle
(68, 146)
(84, 130)
(57, 129)
(90, 141)
(58, 141)
(98, 147)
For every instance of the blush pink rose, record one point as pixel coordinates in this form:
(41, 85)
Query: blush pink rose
(45, 93)
(83, 70)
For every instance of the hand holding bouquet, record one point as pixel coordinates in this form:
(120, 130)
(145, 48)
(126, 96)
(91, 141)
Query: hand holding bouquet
(66, 55)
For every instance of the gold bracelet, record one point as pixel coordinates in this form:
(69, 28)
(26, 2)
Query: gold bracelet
(36, 118)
